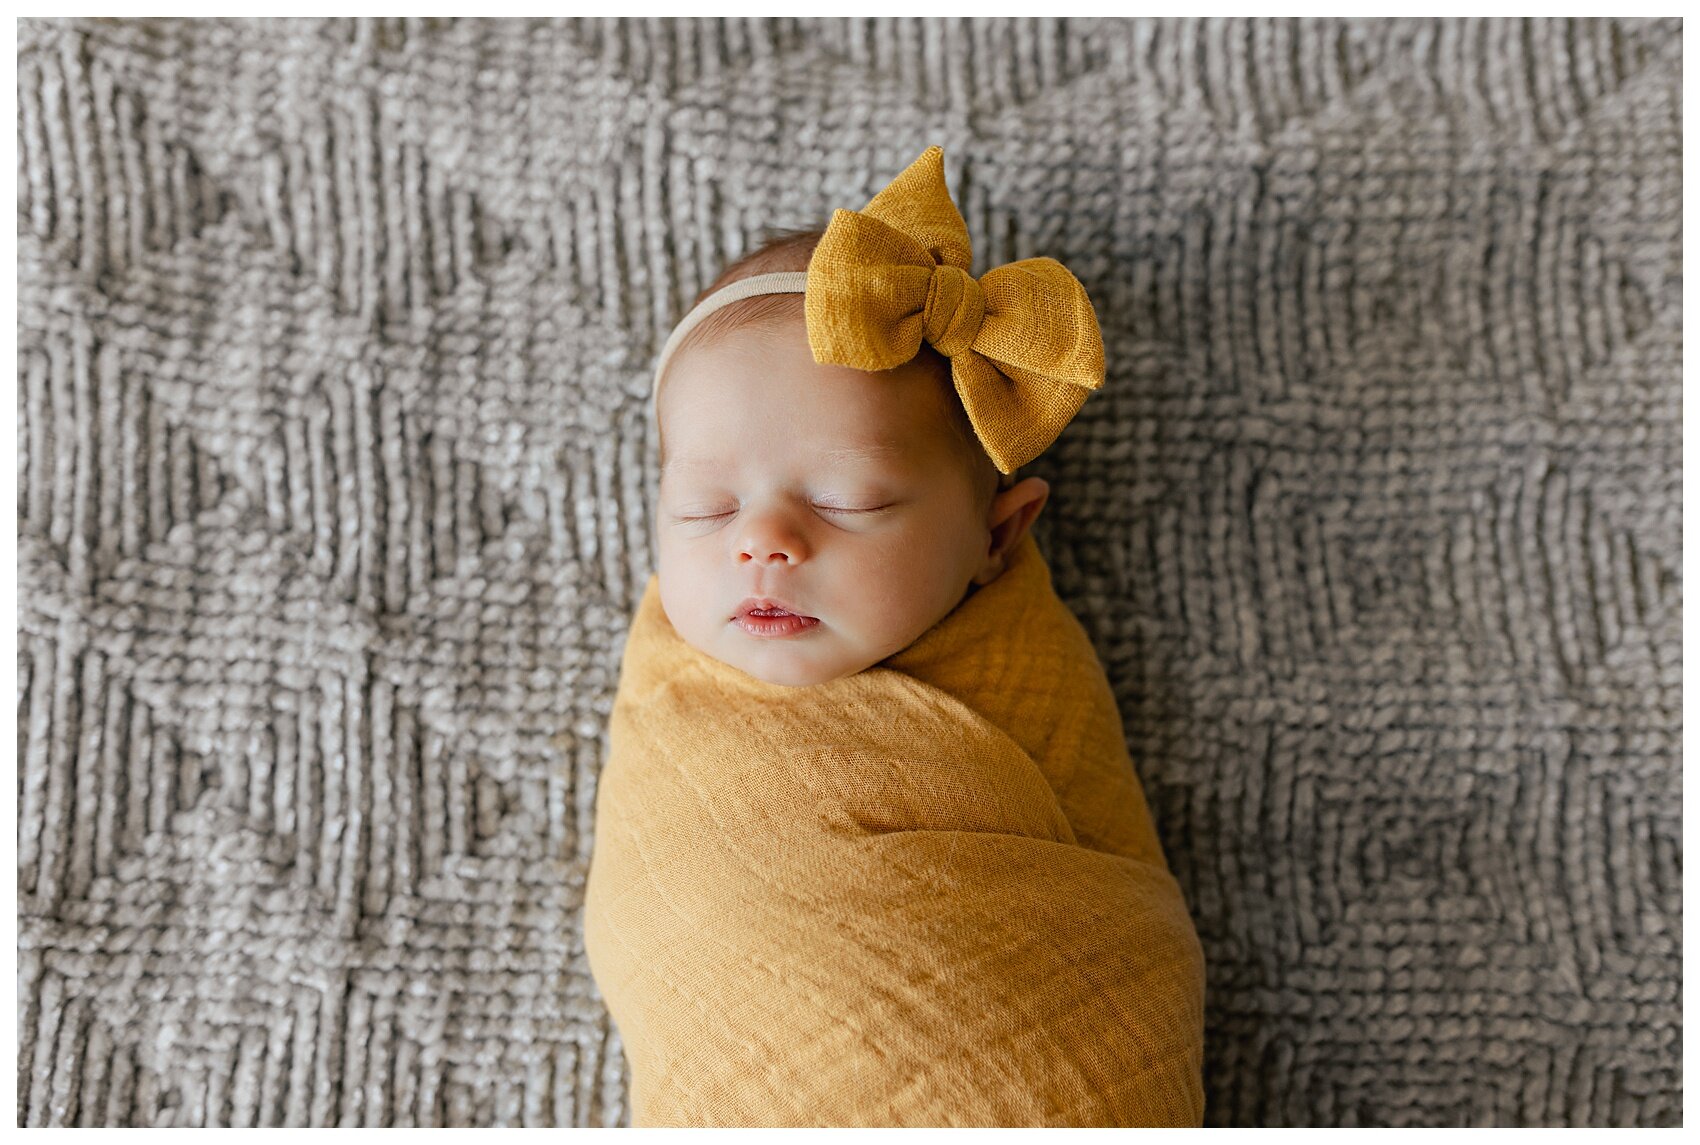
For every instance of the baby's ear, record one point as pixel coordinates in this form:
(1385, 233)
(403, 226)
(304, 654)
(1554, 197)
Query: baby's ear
(1012, 514)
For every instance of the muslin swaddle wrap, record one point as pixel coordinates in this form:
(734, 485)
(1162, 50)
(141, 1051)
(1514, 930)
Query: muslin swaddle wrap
(926, 894)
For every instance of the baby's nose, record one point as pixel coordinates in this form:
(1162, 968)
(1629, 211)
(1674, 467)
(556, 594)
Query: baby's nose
(770, 538)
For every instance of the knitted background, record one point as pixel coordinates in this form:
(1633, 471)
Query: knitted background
(334, 348)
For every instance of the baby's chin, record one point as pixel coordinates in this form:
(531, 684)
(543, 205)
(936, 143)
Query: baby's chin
(783, 662)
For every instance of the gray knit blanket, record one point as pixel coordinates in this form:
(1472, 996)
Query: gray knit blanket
(335, 338)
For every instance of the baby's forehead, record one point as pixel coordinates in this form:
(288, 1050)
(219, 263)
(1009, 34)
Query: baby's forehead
(723, 399)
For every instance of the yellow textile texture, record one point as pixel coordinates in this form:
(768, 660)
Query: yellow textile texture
(1022, 339)
(927, 894)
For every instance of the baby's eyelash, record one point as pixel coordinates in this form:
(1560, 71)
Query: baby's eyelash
(828, 508)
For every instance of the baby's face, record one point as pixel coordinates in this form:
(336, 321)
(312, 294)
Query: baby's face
(835, 490)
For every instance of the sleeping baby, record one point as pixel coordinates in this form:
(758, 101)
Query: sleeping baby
(869, 846)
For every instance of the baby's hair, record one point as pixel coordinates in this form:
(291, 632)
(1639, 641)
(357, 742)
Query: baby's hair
(791, 250)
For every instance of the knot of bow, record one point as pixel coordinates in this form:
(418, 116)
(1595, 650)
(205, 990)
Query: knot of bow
(1022, 339)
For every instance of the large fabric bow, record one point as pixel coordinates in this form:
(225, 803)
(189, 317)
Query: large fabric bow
(1022, 339)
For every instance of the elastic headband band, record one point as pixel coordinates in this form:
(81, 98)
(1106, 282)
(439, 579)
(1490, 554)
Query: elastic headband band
(773, 282)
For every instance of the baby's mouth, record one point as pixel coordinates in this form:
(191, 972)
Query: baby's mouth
(764, 616)
(777, 625)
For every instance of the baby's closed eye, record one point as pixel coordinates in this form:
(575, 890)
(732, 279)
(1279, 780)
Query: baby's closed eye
(844, 510)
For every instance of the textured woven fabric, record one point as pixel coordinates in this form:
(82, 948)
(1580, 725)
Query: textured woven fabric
(334, 348)
(1022, 340)
(926, 894)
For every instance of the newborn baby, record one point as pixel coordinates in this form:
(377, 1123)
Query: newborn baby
(858, 500)
(882, 860)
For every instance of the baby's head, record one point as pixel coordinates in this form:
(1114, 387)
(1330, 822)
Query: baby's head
(861, 499)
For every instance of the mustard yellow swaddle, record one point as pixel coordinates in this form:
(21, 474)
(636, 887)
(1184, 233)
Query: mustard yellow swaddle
(926, 894)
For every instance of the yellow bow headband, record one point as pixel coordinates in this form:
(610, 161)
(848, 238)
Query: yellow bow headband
(1022, 339)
